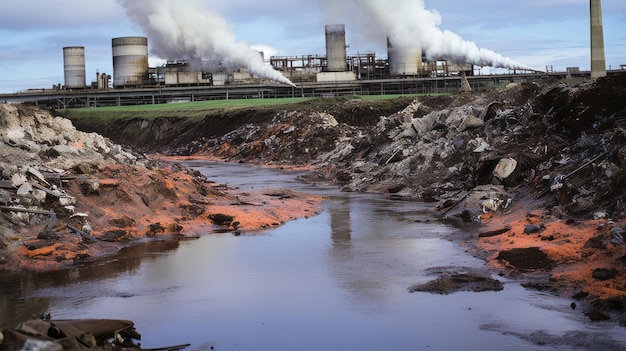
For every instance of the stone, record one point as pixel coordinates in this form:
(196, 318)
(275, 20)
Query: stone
(526, 259)
(471, 122)
(617, 236)
(459, 282)
(531, 229)
(604, 273)
(505, 168)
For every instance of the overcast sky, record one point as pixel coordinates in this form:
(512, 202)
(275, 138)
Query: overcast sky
(533, 32)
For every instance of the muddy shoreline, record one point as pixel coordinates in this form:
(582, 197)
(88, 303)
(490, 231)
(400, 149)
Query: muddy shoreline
(534, 174)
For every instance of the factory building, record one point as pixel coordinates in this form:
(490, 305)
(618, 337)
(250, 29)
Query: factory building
(131, 69)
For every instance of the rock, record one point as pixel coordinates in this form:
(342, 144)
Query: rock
(17, 180)
(24, 189)
(459, 282)
(426, 123)
(48, 234)
(116, 235)
(67, 200)
(505, 168)
(526, 259)
(471, 122)
(221, 219)
(597, 242)
(617, 236)
(604, 273)
(532, 228)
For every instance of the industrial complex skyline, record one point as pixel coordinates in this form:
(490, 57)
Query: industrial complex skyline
(535, 33)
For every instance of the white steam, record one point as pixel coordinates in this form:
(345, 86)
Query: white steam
(409, 23)
(187, 29)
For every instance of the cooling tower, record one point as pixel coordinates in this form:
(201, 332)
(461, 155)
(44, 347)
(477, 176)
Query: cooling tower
(598, 61)
(336, 48)
(404, 59)
(130, 61)
(74, 67)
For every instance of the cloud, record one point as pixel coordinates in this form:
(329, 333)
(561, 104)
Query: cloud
(33, 15)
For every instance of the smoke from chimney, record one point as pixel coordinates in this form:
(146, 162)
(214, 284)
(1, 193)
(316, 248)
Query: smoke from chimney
(187, 29)
(408, 22)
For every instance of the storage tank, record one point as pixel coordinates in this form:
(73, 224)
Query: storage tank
(336, 48)
(404, 59)
(130, 61)
(74, 67)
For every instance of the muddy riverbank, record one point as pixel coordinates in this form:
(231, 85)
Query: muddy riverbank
(535, 173)
(69, 197)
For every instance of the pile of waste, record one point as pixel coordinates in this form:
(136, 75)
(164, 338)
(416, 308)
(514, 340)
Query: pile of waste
(563, 139)
(56, 335)
(541, 165)
(41, 154)
(68, 197)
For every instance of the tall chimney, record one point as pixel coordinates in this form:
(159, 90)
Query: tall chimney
(598, 61)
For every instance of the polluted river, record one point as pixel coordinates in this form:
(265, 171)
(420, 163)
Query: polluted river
(338, 280)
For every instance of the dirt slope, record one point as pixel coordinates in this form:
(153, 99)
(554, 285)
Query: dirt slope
(536, 172)
(68, 197)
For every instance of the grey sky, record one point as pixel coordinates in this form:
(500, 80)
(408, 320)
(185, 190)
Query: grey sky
(534, 32)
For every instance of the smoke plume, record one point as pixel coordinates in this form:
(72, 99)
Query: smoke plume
(180, 29)
(409, 23)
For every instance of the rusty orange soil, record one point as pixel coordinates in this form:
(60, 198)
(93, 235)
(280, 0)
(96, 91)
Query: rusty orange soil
(134, 205)
(566, 242)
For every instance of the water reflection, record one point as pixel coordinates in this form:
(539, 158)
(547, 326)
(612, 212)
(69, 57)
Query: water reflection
(334, 281)
(24, 294)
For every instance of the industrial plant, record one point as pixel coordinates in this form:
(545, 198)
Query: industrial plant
(405, 69)
(131, 69)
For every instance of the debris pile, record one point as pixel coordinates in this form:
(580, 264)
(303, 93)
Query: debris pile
(538, 168)
(42, 333)
(69, 197)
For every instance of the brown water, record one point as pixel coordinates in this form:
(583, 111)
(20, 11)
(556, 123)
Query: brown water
(336, 281)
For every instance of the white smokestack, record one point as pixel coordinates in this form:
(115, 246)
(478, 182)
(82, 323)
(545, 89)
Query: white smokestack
(188, 29)
(408, 22)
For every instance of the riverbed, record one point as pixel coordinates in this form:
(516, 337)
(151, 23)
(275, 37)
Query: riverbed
(335, 281)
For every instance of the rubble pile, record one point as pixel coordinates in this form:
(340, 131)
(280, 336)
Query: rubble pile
(538, 168)
(291, 137)
(40, 154)
(562, 140)
(69, 197)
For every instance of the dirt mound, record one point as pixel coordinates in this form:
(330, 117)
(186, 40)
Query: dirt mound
(68, 197)
(543, 154)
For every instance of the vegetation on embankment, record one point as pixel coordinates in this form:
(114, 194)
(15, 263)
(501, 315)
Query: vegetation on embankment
(165, 127)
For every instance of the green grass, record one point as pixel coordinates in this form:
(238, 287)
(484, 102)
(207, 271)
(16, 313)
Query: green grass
(184, 109)
(198, 109)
